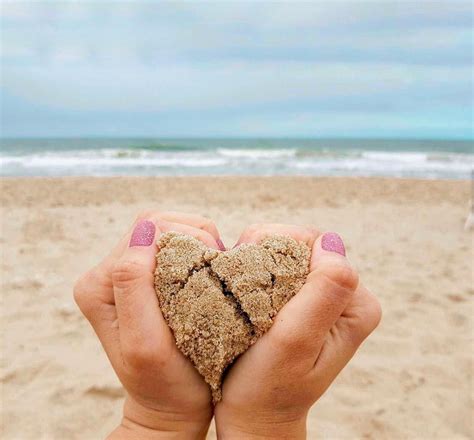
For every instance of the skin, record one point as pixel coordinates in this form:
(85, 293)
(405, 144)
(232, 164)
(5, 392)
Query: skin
(166, 396)
(269, 390)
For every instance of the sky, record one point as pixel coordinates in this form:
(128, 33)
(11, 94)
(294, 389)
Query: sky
(375, 68)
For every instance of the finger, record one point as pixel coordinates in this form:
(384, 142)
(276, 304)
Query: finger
(200, 234)
(110, 259)
(105, 267)
(196, 221)
(358, 320)
(256, 233)
(94, 294)
(101, 274)
(154, 216)
(90, 294)
(143, 332)
(300, 328)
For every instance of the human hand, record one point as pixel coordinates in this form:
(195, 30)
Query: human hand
(269, 390)
(166, 396)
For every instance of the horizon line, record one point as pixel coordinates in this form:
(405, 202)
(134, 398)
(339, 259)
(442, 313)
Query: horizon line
(401, 138)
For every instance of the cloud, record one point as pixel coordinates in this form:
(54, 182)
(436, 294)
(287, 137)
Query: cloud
(238, 84)
(388, 57)
(143, 32)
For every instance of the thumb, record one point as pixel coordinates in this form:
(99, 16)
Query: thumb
(303, 323)
(139, 317)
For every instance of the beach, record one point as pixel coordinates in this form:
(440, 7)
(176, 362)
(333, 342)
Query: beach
(411, 379)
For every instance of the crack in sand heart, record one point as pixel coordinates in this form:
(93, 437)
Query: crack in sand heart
(219, 303)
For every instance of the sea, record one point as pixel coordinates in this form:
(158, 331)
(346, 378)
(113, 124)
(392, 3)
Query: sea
(424, 159)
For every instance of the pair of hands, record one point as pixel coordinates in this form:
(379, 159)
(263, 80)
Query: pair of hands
(270, 388)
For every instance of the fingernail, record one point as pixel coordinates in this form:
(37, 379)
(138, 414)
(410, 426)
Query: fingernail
(143, 234)
(220, 244)
(332, 242)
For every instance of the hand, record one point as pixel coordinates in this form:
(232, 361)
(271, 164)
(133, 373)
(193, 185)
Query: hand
(269, 390)
(166, 396)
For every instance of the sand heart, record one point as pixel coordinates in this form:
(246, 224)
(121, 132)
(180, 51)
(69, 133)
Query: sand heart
(219, 303)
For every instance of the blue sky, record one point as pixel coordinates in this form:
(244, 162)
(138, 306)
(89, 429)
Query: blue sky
(321, 69)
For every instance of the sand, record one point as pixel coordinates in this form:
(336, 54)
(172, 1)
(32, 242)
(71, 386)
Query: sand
(412, 379)
(219, 303)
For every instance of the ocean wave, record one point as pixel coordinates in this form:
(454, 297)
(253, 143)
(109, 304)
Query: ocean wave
(239, 161)
(250, 153)
(111, 158)
(392, 165)
(405, 157)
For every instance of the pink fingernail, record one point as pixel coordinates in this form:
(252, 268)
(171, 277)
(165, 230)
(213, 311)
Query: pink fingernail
(143, 234)
(220, 244)
(332, 242)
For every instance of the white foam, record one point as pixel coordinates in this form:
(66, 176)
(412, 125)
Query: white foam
(251, 153)
(228, 161)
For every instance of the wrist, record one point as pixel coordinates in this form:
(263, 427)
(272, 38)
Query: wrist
(144, 423)
(257, 425)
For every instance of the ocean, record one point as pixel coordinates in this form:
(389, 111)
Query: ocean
(426, 159)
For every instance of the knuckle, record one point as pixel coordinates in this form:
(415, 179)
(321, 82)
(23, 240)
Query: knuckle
(343, 276)
(83, 288)
(142, 353)
(289, 341)
(78, 291)
(85, 291)
(136, 356)
(374, 315)
(284, 340)
(126, 272)
(368, 321)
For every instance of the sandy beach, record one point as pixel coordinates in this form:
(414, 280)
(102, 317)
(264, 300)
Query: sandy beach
(412, 379)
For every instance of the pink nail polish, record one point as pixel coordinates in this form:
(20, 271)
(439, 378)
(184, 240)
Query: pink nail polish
(332, 242)
(143, 234)
(220, 244)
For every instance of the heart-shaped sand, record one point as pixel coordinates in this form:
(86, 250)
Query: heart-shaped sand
(219, 303)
